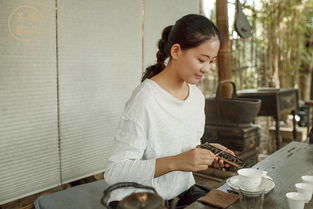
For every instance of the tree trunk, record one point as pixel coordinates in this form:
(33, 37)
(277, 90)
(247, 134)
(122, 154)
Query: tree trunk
(224, 55)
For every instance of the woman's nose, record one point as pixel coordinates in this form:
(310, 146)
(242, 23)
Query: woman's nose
(206, 68)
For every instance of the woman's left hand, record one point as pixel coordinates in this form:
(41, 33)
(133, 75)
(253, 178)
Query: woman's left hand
(218, 163)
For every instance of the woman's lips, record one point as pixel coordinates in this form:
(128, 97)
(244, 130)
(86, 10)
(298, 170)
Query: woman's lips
(199, 76)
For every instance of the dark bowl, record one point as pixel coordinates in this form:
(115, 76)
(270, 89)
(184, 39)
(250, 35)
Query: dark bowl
(231, 111)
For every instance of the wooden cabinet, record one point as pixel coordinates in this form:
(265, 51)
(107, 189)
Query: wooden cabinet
(274, 102)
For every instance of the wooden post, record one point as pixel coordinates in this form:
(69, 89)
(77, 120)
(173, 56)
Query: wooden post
(224, 55)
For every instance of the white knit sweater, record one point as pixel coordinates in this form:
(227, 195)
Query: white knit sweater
(155, 124)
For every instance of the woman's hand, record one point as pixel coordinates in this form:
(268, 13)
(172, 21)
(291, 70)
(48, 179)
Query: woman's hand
(218, 163)
(196, 159)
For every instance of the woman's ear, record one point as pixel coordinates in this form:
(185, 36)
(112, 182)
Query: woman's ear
(176, 51)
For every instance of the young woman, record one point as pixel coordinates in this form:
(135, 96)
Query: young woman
(163, 121)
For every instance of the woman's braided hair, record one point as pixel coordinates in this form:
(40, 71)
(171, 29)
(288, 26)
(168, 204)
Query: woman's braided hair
(189, 32)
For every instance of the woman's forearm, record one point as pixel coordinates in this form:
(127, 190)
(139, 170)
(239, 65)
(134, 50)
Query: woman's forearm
(196, 159)
(165, 165)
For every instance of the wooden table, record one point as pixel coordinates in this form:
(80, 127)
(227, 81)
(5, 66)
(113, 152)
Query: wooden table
(274, 103)
(285, 166)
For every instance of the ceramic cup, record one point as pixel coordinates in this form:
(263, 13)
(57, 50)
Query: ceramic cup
(251, 199)
(296, 200)
(307, 179)
(250, 178)
(306, 189)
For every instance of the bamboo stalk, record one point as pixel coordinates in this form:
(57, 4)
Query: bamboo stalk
(224, 55)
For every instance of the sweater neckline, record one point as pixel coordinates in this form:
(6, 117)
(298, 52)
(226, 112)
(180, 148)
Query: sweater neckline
(168, 94)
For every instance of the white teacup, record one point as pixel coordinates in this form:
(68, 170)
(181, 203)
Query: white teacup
(307, 179)
(250, 178)
(306, 189)
(296, 200)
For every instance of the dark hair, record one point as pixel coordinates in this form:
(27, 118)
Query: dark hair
(189, 32)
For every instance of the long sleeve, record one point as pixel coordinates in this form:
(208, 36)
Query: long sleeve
(127, 162)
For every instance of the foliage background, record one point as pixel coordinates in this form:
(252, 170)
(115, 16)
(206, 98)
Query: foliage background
(280, 51)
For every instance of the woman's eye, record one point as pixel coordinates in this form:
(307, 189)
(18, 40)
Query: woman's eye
(202, 61)
(213, 61)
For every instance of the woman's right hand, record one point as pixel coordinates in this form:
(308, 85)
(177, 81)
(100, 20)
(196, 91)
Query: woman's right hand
(196, 159)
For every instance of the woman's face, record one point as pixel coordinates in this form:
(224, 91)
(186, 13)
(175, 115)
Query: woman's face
(193, 63)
